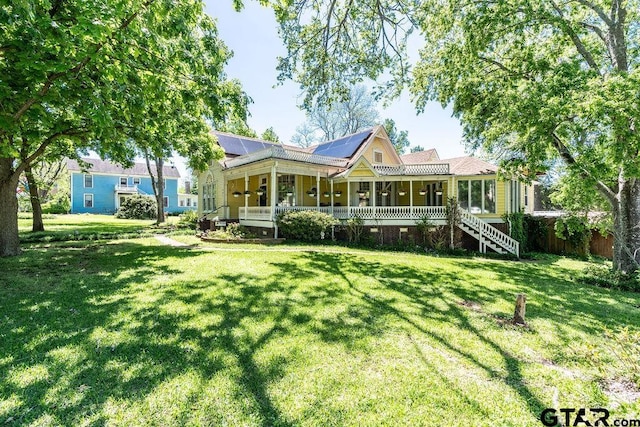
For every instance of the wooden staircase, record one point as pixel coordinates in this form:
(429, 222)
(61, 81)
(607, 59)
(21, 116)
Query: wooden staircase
(488, 236)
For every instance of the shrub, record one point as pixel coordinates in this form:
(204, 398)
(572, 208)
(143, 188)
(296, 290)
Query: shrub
(188, 219)
(516, 228)
(575, 230)
(604, 277)
(354, 227)
(626, 348)
(138, 207)
(54, 208)
(535, 229)
(307, 226)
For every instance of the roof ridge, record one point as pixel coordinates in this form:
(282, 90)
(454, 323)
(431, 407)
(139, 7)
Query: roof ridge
(247, 137)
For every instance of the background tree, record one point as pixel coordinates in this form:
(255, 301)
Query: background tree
(76, 75)
(305, 136)
(544, 80)
(399, 139)
(237, 126)
(39, 178)
(326, 122)
(357, 111)
(270, 135)
(416, 149)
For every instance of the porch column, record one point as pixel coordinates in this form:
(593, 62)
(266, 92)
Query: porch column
(411, 197)
(225, 199)
(331, 189)
(274, 191)
(318, 190)
(348, 198)
(246, 199)
(374, 202)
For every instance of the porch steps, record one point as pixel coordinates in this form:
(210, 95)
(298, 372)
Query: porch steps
(488, 236)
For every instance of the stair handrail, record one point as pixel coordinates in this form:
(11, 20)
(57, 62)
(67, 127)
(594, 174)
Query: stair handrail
(492, 233)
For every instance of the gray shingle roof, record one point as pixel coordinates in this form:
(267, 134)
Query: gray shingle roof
(107, 167)
(420, 157)
(468, 165)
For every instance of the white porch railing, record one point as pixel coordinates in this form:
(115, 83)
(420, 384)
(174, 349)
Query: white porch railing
(487, 232)
(344, 212)
(421, 169)
(126, 188)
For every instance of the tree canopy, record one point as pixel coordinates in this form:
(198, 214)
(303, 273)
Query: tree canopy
(534, 81)
(108, 76)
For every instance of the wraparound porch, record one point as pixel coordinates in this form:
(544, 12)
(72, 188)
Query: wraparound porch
(396, 215)
(487, 235)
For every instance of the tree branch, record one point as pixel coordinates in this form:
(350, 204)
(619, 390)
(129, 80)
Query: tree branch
(76, 69)
(566, 155)
(566, 26)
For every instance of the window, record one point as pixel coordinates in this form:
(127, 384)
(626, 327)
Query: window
(88, 181)
(526, 195)
(463, 194)
(477, 195)
(181, 203)
(286, 190)
(377, 156)
(164, 184)
(189, 201)
(136, 181)
(166, 202)
(195, 203)
(209, 194)
(123, 181)
(88, 200)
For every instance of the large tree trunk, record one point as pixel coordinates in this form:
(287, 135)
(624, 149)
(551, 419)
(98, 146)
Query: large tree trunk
(9, 240)
(36, 206)
(160, 188)
(626, 224)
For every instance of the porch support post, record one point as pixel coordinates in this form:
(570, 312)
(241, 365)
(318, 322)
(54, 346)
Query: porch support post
(318, 190)
(246, 199)
(225, 199)
(374, 201)
(348, 198)
(411, 197)
(274, 191)
(331, 184)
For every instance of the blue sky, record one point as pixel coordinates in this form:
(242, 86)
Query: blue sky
(253, 37)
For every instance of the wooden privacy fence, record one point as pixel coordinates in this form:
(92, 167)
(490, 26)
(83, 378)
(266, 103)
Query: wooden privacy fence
(599, 244)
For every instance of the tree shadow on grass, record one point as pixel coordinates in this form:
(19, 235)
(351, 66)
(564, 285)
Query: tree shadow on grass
(70, 348)
(439, 293)
(111, 323)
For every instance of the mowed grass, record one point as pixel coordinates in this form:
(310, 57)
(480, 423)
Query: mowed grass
(137, 333)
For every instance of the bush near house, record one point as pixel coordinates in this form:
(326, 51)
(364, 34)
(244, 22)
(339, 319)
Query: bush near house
(138, 207)
(307, 226)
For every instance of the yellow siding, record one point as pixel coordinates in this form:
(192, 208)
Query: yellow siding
(383, 145)
(362, 172)
(501, 198)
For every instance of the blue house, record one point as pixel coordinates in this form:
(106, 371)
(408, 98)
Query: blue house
(101, 188)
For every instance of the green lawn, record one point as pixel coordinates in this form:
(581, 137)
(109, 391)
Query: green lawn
(136, 333)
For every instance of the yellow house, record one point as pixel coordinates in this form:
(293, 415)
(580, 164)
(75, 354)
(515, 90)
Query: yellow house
(359, 175)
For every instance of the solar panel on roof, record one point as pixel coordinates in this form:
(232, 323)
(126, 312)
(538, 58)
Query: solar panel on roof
(343, 147)
(233, 144)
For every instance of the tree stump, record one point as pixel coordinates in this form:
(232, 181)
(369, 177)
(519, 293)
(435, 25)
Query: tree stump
(518, 315)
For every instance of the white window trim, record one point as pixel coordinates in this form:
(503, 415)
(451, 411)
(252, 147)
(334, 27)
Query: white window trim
(126, 181)
(376, 152)
(136, 181)
(84, 200)
(165, 201)
(84, 180)
(482, 192)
